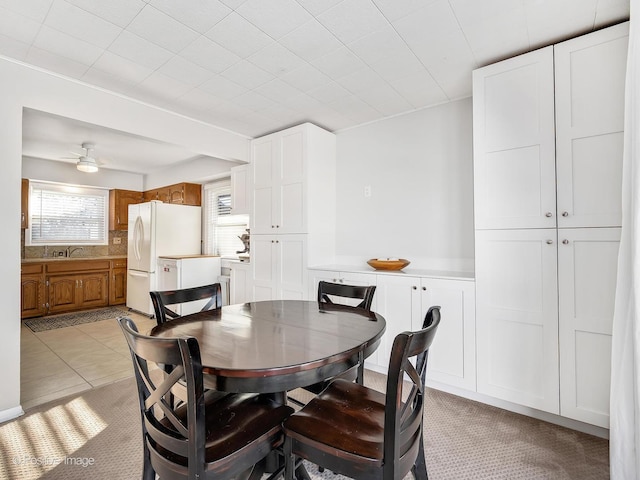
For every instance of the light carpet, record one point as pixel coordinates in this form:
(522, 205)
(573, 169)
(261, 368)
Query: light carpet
(51, 322)
(100, 429)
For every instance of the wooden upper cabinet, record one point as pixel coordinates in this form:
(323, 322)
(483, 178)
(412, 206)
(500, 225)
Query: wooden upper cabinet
(119, 201)
(179, 193)
(25, 203)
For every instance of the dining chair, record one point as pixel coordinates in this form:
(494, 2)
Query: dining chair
(214, 434)
(364, 434)
(365, 293)
(358, 292)
(212, 294)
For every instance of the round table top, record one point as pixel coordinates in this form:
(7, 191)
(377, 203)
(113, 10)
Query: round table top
(295, 341)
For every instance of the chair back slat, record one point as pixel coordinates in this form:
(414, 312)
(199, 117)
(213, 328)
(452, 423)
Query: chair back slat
(365, 293)
(162, 299)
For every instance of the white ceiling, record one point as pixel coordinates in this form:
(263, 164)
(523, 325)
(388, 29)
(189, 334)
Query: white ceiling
(255, 66)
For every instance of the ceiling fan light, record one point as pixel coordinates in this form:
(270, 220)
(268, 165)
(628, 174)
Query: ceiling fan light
(87, 165)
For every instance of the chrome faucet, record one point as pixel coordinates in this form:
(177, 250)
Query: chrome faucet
(70, 251)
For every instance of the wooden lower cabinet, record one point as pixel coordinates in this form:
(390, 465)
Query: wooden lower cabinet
(63, 286)
(118, 286)
(32, 296)
(75, 292)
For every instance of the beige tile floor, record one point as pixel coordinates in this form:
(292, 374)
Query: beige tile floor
(64, 361)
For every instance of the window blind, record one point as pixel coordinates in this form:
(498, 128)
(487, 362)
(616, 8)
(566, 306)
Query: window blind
(222, 228)
(63, 214)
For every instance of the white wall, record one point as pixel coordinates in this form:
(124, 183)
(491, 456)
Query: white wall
(24, 86)
(419, 166)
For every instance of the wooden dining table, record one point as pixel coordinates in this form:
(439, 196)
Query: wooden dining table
(278, 345)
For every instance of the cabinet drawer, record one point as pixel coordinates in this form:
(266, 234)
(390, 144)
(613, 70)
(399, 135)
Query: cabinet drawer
(119, 263)
(32, 268)
(78, 266)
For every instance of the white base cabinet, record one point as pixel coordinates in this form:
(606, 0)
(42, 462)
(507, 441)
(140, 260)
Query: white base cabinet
(279, 267)
(403, 300)
(240, 290)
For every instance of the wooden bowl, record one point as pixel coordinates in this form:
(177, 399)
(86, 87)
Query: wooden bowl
(388, 264)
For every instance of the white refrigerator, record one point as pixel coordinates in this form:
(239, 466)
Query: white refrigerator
(157, 229)
(186, 271)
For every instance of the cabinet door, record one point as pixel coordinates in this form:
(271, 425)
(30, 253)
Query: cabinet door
(240, 284)
(514, 143)
(263, 263)
(94, 289)
(517, 316)
(118, 286)
(32, 296)
(590, 81)
(119, 201)
(291, 199)
(240, 190)
(398, 299)
(291, 271)
(264, 218)
(587, 272)
(64, 293)
(452, 356)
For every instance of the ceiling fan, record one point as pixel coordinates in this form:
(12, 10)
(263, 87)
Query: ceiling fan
(87, 162)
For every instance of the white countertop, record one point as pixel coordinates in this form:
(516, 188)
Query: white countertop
(409, 272)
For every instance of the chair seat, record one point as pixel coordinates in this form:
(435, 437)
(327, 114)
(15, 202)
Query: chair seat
(347, 417)
(233, 423)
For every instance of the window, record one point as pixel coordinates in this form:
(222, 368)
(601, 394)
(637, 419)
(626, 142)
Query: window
(222, 229)
(65, 214)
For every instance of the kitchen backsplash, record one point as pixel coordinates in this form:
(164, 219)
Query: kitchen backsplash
(88, 250)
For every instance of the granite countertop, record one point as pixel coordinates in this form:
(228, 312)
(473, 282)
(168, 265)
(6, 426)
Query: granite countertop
(67, 259)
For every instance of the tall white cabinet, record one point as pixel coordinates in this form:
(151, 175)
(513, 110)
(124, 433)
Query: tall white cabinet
(293, 220)
(547, 171)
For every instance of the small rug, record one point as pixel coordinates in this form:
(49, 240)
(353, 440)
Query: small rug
(42, 324)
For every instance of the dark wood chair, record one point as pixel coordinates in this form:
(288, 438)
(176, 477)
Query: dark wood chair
(214, 434)
(358, 292)
(161, 300)
(346, 291)
(362, 433)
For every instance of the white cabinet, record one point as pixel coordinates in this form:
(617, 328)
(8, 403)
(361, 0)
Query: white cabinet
(294, 193)
(517, 316)
(590, 79)
(241, 189)
(514, 143)
(452, 356)
(279, 267)
(279, 170)
(587, 261)
(240, 290)
(544, 296)
(404, 300)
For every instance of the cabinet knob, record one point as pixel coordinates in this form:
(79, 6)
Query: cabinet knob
(424, 288)
(277, 226)
(414, 287)
(549, 242)
(548, 214)
(565, 242)
(565, 214)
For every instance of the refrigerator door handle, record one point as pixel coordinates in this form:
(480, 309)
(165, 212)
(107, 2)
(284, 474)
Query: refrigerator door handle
(133, 273)
(138, 236)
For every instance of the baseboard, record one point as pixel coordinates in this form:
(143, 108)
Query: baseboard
(522, 410)
(11, 413)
